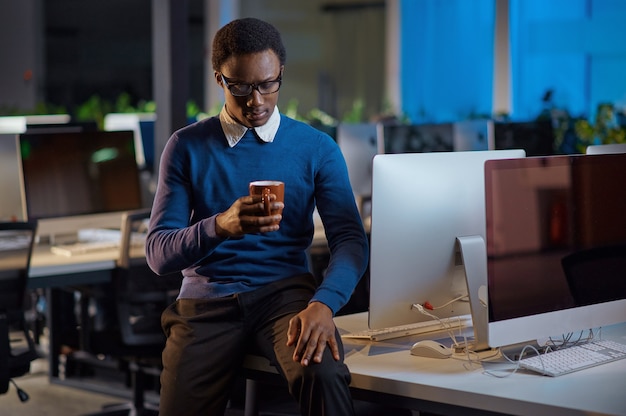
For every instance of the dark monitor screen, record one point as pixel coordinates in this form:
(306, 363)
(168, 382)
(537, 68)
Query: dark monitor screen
(556, 245)
(535, 137)
(418, 138)
(78, 173)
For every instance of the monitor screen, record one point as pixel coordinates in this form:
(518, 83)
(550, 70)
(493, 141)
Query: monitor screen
(556, 245)
(78, 174)
(535, 137)
(421, 202)
(418, 138)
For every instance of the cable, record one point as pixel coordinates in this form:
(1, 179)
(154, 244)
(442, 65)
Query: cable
(429, 306)
(473, 357)
(516, 362)
(20, 393)
(446, 325)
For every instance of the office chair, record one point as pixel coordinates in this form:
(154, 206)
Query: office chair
(16, 246)
(140, 298)
(597, 274)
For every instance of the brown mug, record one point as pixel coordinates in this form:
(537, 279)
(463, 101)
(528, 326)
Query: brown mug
(265, 189)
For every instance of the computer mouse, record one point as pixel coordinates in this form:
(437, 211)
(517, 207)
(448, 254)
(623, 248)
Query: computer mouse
(431, 349)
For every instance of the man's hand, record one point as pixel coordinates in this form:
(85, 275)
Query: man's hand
(246, 215)
(311, 331)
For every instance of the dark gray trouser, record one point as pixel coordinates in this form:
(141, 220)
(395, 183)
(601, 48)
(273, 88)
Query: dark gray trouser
(208, 339)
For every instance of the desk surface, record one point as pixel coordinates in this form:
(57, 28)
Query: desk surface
(387, 367)
(52, 270)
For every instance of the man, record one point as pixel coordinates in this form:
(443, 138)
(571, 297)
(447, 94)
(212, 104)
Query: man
(246, 282)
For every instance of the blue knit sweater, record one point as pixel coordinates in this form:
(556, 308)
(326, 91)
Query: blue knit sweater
(201, 176)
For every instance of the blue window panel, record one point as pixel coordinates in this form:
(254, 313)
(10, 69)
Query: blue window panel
(446, 59)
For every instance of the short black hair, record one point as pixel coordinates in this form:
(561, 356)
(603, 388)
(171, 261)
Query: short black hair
(246, 36)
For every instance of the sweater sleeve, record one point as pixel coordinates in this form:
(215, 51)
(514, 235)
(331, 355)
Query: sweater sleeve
(173, 244)
(347, 240)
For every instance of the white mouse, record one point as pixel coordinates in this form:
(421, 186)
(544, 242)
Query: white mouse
(430, 349)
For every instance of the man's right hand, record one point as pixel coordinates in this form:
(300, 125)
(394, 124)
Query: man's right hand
(246, 216)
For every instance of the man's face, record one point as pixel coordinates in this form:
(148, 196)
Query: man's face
(255, 108)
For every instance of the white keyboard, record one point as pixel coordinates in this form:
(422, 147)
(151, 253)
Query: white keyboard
(84, 247)
(381, 334)
(579, 357)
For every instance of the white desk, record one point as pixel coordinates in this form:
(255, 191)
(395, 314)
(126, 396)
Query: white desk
(55, 274)
(387, 367)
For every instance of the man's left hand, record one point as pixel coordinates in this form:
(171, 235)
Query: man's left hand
(311, 331)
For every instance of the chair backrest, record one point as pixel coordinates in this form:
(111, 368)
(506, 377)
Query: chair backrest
(141, 295)
(16, 246)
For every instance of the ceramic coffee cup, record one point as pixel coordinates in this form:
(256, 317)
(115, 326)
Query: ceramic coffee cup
(265, 189)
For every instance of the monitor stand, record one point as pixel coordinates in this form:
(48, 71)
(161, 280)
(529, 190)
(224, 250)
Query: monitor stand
(474, 257)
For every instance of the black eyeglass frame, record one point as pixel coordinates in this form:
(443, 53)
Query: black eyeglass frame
(251, 87)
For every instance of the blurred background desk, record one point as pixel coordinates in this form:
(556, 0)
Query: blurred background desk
(58, 277)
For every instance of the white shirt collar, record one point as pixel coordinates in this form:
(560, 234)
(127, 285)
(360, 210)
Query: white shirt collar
(235, 131)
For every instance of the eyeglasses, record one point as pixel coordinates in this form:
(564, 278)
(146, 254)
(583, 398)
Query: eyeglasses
(243, 90)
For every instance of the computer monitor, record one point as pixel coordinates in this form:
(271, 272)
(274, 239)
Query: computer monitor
(417, 138)
(142, 125)
(535, 137)
(72, 181)
(10, 197)
(543, 215)
(473, 135)
(421, 203)
(19, 124)
(602, 149)
(359, 143)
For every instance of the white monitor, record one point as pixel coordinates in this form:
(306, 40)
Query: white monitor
(10, 200)
(421, 203)
(545, 215)
(76, 180)
(601, 149)
(359, 144)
